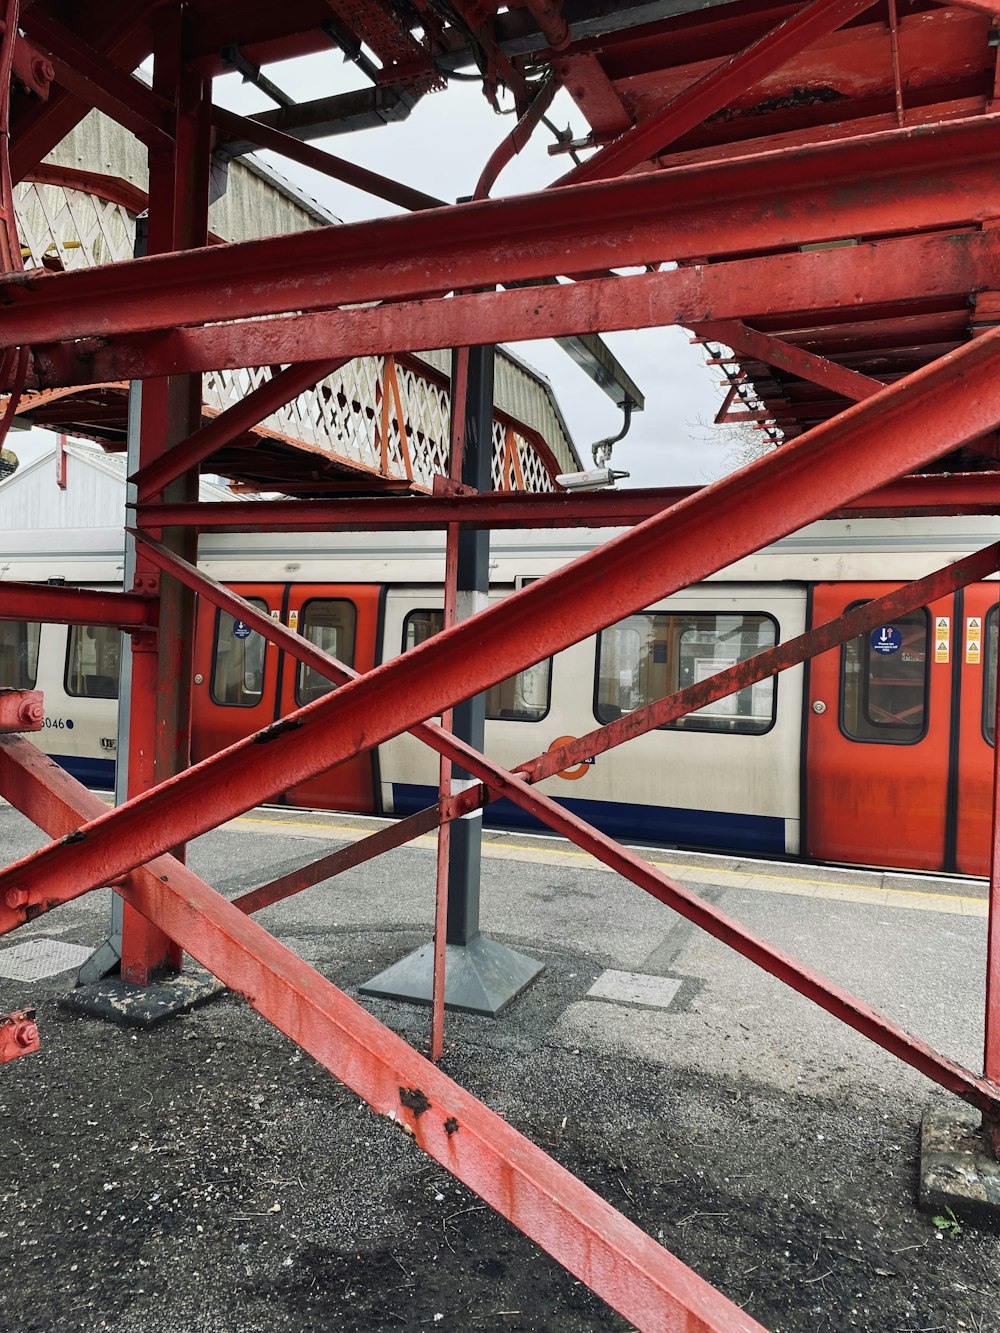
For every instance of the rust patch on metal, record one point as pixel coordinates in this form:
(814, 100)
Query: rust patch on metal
(275, 730)
(414, 1100)
(794, 98)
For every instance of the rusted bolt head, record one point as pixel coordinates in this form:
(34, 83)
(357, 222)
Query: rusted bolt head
(16, 898)
(25, 1035)
(30, 711)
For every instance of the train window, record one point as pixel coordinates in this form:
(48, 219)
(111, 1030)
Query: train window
(238, 670)
(523, 697)
(883, 695)
(990, 679)
(93, 659)
(331, 626)
(653, 654)
(19, 654)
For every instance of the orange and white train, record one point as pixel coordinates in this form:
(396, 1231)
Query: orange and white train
(877, 753)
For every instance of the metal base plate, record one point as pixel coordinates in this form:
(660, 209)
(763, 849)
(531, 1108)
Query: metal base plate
(142, 1006)
(481, 977)
(958, 1169)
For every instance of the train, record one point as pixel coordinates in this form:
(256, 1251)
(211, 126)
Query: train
(876, 753)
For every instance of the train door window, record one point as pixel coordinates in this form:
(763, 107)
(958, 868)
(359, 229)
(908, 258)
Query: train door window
(93, 659)
(707, 644)
(990, 679)
(883, 695)
(523, 697)
(331, 626)
(649, 656)
(19, 654)
(238, 670)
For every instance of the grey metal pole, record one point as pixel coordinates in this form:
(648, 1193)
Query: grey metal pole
(107, 956)
(469, 718)
(482, 976)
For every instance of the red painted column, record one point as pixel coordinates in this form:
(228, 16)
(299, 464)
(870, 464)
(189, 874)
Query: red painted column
(160, 720)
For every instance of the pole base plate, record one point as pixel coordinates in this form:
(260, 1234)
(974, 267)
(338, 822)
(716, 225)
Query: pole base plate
(123, 1002)
(481, 977)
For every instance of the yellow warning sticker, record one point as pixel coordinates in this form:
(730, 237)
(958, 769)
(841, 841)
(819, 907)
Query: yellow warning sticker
(942, 638)
(973, 640)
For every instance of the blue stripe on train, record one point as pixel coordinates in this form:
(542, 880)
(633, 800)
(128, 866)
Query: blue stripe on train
(91, 772)
(648, 823)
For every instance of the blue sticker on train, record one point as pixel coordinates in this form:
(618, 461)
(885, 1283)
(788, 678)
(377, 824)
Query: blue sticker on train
(886, 640)
(241, 629)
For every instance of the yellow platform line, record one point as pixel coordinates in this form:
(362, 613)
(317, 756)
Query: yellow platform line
(921, 900)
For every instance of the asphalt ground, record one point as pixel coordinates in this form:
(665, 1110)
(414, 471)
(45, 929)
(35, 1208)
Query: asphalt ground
(207, 1176)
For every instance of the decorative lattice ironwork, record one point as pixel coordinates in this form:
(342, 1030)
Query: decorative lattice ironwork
(382, 414)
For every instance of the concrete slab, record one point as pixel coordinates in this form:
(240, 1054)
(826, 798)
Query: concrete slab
(635, 988)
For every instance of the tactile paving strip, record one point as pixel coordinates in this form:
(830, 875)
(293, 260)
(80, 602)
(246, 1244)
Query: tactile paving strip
(36, 959)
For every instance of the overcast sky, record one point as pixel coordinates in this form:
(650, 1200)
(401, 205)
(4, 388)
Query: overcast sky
(441, 148)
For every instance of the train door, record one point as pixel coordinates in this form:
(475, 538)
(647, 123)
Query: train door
(345, 622)
(976, 649)
(878, 736)
(236, 672)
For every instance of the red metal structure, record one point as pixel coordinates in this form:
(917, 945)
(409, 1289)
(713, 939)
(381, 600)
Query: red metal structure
(812, 186)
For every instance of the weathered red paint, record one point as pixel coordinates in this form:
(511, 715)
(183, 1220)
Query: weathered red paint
(75, 606)
(843, 188)
(930, 493)
(18, 1035)
(717, 88)
(956, 399)
(877, 274)
(21, 710)
(637, 1277)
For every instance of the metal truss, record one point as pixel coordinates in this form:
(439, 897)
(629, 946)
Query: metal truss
(837, 259)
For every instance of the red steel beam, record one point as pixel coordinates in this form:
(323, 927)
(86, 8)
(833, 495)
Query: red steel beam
(268, 397)
(954, 400)
(87, 73)
(619, 1262)
(931, 493)
(820, 639)
(877, 274)
(717, 88)
(387, 839)
(850, 384)
(730, 518)
(75, 606)
(125, 39)
(718, 686)
(849, 188)
(839, 1002)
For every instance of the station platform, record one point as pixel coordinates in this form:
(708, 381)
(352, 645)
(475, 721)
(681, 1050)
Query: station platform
(205, 1175)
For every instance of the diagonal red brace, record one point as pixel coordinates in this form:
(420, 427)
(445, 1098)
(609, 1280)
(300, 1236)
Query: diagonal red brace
(620, 1263)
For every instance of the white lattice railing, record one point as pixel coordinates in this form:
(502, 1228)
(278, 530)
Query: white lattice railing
(380, 414)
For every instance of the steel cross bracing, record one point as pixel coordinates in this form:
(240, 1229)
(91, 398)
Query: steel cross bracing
(829, 198)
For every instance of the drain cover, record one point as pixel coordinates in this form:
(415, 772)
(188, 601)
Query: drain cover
(37, 959)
